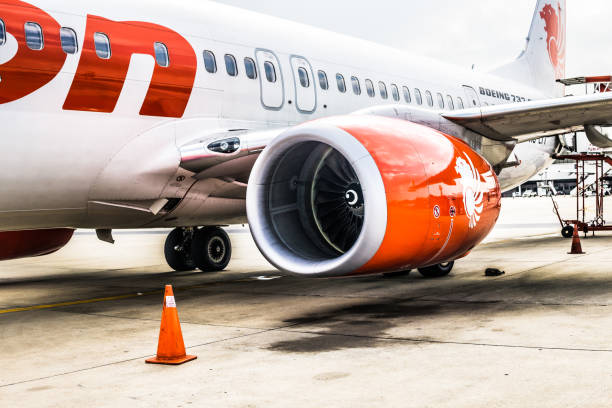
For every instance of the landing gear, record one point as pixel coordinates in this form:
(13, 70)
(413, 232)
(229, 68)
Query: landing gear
(437, 271)
(208, 249)
(178, 250)
(211, 249)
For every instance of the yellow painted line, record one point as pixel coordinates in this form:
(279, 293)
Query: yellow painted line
(109, 298)
(76, 302)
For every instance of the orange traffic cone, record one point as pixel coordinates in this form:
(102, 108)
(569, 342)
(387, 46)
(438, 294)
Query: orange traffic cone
(171, 348)
(576, 246)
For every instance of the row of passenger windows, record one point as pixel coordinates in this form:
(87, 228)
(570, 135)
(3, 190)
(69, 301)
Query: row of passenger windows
(384, 93)
(231, 67)
(35, 41)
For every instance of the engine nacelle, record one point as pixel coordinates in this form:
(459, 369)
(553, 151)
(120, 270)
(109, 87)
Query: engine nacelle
(364, 194)
(25, 244)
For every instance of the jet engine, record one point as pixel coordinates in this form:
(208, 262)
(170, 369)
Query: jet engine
(364, 194)
(25, 244)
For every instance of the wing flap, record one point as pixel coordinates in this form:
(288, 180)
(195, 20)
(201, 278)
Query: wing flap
(526, 120)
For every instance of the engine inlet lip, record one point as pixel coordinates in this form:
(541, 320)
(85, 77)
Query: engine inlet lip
(374, 196)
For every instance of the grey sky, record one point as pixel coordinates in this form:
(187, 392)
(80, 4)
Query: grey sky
(465, 32)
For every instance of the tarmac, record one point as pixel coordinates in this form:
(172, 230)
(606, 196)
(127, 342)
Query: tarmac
(77, 326)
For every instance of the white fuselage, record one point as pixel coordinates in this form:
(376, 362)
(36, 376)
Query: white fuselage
(54, 162)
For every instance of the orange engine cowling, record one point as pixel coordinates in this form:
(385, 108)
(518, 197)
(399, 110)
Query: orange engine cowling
(25, 244)
(361, 194)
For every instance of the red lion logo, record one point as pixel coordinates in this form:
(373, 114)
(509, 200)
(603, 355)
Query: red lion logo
(555, 29)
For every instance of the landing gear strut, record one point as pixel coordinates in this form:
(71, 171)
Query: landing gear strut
(208, 249)
(178, 250)
(437, 271)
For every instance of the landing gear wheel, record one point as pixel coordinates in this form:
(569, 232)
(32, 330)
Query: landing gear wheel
(567, 231)
(437, 271)
(177, 250)
(211, 249)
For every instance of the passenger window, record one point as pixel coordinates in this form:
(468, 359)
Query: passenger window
(304, 78)
(270, 71)
(429, 98)
(383, 90)
(440, 101)
(250, 68)
(210, 62)
(102, 44)
(460, 103)
(161, 55)
(356, 85)
(34, 36)
(230, 65)
(395, 92)
(323, 80)
(370, 88)
(69, 40)
(451, 104)
(341, 83)
(417, 96)
(407, 96)
(2, 33)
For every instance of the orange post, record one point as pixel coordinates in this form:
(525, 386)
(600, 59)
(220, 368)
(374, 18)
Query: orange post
(576, 246)
(171, 347)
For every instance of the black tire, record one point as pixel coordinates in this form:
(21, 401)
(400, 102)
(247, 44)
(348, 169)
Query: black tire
(177, 250)
(567, 231)
(397, 274)
(211, 249)
(437, 271)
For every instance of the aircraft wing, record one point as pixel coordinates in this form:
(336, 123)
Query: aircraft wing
(533, 119)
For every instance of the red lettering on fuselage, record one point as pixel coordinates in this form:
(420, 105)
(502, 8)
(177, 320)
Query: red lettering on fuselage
(29, 69)
(98, 82)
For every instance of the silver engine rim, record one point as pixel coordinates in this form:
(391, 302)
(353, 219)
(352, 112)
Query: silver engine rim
(374, 196)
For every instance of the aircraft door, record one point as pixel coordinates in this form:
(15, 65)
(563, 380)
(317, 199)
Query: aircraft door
(473, 101)
(270, 79)
(305, 85)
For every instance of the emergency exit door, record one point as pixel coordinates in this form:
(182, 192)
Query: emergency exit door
(270, 79)
(305, 85)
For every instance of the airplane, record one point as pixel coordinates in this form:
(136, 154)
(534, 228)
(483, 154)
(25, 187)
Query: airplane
(345, 157)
